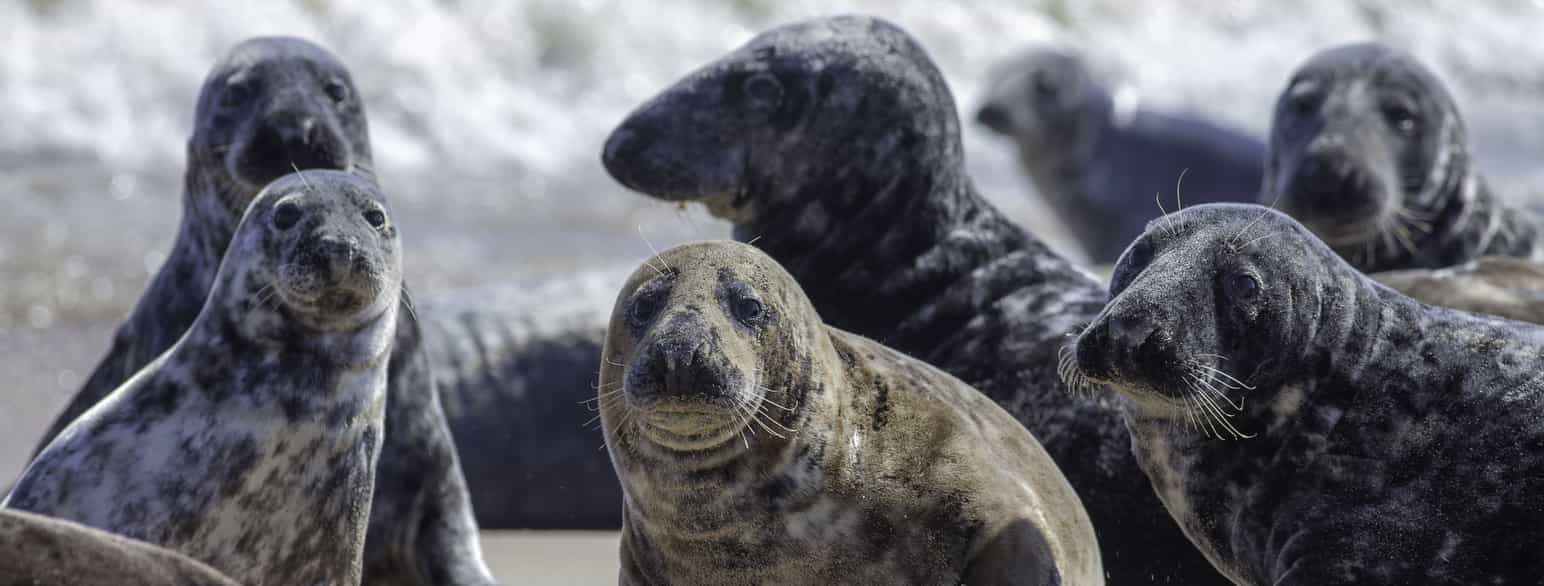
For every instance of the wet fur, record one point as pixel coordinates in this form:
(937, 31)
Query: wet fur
(1385, 441)
(853, 463)
(251, 444)
(421, 530)
(855, 183)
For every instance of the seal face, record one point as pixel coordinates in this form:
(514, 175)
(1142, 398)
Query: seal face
(1098, 157)
(1369, 151)
(41, 550)
(833, 145)
(272, 106)
(251, 444)
(1308, 426)
(754, 444)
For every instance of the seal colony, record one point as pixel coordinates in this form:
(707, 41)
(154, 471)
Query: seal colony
(1100, 159)
(833, 144)
(41, 550)
(1368, 150)
(271, 106)
(1385, 441)
(251, 444)
(755, 444)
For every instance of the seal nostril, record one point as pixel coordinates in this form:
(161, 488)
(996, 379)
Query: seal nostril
(994, 117)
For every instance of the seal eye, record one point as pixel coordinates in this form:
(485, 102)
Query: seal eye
(285, 215)
(376, 218)
(643, 310)
(748, 310)
(1403, 118)
(337, 90)
(763, 87)
(236, 93)
(1242, 287)
(1044, 85)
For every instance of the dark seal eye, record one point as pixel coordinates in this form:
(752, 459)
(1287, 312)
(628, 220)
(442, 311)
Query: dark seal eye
(1242, 287)
(763, 87)
(1402, 118)
(1044, 85)
(643, 310)
(376, 218)
(235, 94)
(748, 310)
(1302, 98)
(337, 90)
(285, 215)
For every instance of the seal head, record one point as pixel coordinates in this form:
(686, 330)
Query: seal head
(1049, 102)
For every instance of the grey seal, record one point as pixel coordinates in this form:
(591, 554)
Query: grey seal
(1309, 426)
(251, 444)
(1503, 286)
(834, 146)
(42, 550)
(270, 106)
(1101, 162)
(1368, 150)
(757, 445)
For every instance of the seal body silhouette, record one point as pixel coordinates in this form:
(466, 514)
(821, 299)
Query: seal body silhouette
(1309, 426)
(834, 146)
(250, 445)
(270, 106)
(756, 445)
(42, 550)
(1369, 151)
(1099, 160)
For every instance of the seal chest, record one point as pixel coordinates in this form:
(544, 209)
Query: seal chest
(755, 444)
(251, 444)
(1312, 426)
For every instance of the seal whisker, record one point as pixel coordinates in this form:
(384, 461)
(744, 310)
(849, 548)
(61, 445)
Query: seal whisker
(656, 254)
(1219, 372)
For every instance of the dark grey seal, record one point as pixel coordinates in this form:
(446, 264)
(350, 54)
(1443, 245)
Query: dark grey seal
(270, 106)
(45, 551)
(250, 445)
(1101, 162)
(1504, 286)
(1309, 426)
(834, 146)
(1368, 150)
(757, 445)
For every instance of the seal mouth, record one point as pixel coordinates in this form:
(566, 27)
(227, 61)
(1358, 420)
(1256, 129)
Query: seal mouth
(347, 300)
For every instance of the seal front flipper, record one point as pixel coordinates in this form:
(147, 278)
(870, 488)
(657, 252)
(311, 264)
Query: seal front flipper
(1017, 555)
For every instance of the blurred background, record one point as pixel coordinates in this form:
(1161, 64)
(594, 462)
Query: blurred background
(487, 118)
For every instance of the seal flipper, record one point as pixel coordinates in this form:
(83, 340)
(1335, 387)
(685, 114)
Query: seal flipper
(1018, 554)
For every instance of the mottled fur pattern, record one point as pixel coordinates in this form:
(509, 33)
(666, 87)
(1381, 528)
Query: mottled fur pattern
(756, 445)
(43, 550)
(251, 444)
(250, 108)
(1365, 438)
(1099, 161)
(1368, 150)
(849, 172)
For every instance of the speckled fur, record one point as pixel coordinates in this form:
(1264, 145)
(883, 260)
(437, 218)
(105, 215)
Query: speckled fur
(251, 444)
(1100, 163)
(854, 181)
(1386, 198)
(1392, 442)
(38, 550)
(1509, 287)
(422, 531)
(859, 465)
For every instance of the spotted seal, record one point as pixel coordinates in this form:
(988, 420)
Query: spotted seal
(42, 550)
(1309, 426)
(834, 146)
(250, 445)
(1100, 161)
(1369, 151)
(270, 106)
(757, 445)
(1505, 286)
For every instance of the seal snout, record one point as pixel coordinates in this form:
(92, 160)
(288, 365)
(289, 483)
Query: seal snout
(1122, 344)
(995, 117)
(678, 370)
(289, 139)
(1329, 187)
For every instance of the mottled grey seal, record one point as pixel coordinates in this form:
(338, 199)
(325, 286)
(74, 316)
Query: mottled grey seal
(834, 146)
(1368, 150)
(1504, 286)
(1101, 162)
(1375, 439)
(42, 550)
(272, 105)
(250, 444)
(756, 445)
